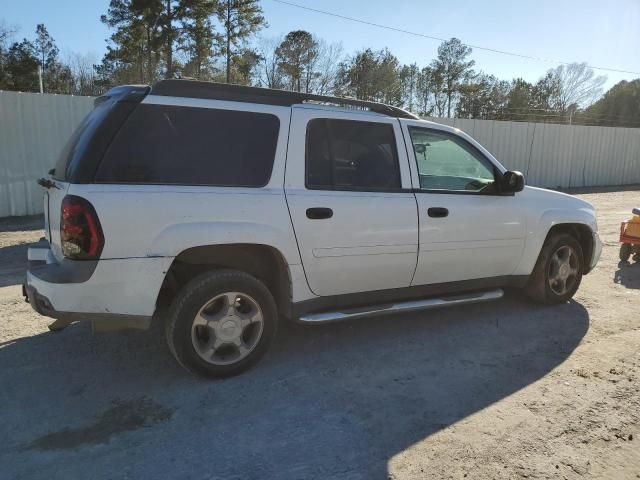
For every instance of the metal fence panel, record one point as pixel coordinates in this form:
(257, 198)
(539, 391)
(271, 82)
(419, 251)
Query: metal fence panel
(34, 128)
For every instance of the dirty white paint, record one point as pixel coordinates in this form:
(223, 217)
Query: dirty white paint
(35, 127)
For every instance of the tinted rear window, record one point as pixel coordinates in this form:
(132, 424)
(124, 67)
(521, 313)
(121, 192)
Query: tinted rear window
(82, 153)
(75, 148)
(192, 146)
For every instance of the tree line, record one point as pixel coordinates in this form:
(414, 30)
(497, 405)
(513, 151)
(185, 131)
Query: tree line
(218, 40)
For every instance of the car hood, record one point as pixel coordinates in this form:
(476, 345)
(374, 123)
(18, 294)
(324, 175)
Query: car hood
(554, 199)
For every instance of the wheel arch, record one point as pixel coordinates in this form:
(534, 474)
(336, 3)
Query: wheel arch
(582, 233)
(579, 223)
(264, 262)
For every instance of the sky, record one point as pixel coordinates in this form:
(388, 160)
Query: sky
(603, 34)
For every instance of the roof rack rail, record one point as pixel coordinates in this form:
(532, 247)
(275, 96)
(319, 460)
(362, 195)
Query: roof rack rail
(268, 96)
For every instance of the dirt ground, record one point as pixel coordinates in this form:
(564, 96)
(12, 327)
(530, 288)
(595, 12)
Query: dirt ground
(499, 390)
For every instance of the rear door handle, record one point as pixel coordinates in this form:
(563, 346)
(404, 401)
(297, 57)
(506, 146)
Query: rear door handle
(319, 213)
(438, 212)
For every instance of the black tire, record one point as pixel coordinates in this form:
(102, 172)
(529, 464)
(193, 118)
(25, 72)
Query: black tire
(625, 251)
(193, 296)
(538, 288)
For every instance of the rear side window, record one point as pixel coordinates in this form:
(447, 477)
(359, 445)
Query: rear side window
(82, 153)
(77, 143)
(351, 155)
(163, 144)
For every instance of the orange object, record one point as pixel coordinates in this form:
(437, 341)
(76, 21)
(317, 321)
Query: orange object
(632, 228)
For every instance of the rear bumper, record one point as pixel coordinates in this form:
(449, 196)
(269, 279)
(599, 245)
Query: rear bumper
(100, 322)
(113, 294)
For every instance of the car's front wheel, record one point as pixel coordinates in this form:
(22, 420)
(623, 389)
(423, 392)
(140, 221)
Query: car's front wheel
(558, 271)
(221, 323)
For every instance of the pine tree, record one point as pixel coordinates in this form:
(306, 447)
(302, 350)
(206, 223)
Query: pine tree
(240, 19)
(47, 52)
(198, 38)
(136, 46)
(297, 55)
(22, 67)
(456, 70)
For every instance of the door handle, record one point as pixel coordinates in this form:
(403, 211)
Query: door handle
(319, 213)
(438, 212)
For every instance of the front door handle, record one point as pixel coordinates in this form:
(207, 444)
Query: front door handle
(319, 213)
(438, 212)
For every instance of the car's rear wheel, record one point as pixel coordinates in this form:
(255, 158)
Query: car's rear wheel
(221, 323)
(558, 271)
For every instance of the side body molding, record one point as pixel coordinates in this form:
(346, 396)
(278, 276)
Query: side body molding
(179, 237)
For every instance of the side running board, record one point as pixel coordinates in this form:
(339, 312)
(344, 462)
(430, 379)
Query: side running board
(399, 307)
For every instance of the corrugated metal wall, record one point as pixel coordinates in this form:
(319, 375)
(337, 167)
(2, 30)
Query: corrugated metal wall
(34, 128)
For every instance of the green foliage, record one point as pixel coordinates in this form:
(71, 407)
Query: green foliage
(409, 76)
(297, 55)
(45, 47)
(240, 19)
(135, 49)
(243, 65)
(483, 97)
(454, 67)
(56, 77)
(619, 106)
(21, 66)
(198, 38)
(531, 102)
(210, 40)
(371, 75)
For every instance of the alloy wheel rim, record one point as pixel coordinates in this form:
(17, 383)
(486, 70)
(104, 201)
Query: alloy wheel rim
(563, 270)
(227, 328)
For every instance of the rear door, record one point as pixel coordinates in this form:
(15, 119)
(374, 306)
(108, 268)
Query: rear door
(348, 189)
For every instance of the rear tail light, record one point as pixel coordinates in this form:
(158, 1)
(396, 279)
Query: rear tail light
(80, 231)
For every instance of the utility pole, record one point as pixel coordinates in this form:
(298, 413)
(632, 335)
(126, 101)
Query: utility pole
(228, 28)
(169, 27)
(40, 78)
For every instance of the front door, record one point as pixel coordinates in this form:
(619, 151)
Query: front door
(348, 190)
(467, 229)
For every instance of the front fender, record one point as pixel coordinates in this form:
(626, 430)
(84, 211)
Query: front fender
(538, 231)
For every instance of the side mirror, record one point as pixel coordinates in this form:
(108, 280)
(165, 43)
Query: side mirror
(512, 181)
(420, 147)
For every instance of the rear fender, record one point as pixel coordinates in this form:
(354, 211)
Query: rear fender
(180, 237)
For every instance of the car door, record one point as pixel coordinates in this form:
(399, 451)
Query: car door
(348, 190)
(468, 230)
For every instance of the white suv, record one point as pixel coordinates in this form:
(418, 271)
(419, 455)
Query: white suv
(237, 206)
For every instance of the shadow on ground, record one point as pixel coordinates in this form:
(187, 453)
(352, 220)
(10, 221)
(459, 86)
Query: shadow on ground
(13, 264)
(628, 274)
(21, 224)
(333, 401)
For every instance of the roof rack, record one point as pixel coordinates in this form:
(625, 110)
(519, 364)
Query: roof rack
(268, 96)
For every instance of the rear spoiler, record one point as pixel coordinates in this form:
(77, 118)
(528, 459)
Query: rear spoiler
(124, 93)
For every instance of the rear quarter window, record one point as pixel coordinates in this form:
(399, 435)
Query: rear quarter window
(164, 144)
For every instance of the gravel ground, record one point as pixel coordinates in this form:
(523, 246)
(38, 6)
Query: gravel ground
(498, 390)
